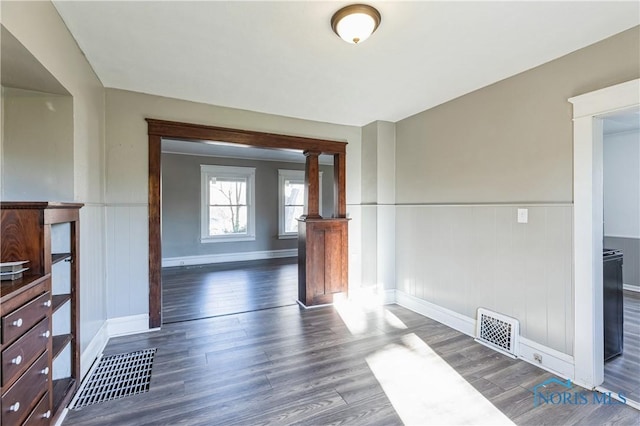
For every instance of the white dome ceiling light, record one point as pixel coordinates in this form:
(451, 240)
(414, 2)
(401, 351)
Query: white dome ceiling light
(355, 23)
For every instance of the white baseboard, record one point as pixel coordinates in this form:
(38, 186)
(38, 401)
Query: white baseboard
(227, 257)
(111, 328)
(132, 324)
(62, 416)
(615, 395)
(95, 348)
(631, 287)
(372, 297)
(445, 316)
(389, 297)
(552, 360)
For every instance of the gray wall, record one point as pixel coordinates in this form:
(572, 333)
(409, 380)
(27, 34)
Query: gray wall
(378, 209)
(464, 167)
(37, 146)
(621, 153)
(181, 205)
(511, 141)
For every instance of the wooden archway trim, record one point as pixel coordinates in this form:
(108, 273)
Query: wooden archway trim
(170, 129)
(158, 129)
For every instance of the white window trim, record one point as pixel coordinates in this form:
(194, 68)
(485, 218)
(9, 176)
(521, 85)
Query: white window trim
(207, 171)
(285, 174)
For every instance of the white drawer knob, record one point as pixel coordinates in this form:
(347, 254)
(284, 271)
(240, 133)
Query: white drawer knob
(47, 414)
(17, 361)
(46, 334)
(47, 304)
(45, 371)
(14, 407)
(17, 323)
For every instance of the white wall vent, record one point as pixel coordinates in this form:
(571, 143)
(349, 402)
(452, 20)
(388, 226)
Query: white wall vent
(498, 332)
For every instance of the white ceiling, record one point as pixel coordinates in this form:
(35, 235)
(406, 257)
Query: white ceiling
(282, 57)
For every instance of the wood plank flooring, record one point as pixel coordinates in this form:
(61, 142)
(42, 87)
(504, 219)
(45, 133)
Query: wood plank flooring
(622, 374)
(332, 365)
(197, 292)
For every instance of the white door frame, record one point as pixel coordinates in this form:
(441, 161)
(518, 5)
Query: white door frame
(588, 110)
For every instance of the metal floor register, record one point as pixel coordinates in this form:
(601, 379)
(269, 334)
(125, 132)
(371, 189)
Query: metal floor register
(117, 376)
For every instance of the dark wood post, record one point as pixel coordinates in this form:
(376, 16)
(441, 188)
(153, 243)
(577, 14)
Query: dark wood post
(340, 185)
(311, 186)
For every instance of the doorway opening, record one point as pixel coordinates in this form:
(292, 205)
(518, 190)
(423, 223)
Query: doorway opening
(230, 243)
(621, 252)
(309, 274)
(589, 110)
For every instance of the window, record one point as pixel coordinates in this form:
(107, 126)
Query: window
(228, 203)
(291, 201)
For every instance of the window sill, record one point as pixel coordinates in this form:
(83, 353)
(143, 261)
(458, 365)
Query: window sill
(288, 236)
(227, 239)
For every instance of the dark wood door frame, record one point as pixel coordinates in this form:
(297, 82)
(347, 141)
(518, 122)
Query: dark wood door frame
(158, 129)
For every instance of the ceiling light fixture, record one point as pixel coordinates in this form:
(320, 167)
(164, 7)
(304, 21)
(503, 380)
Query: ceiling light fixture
(355, 23)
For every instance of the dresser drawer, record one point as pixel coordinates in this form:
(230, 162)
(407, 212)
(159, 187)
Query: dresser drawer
(23, 318)
(41, 415)
(21, 353)
(18, 401)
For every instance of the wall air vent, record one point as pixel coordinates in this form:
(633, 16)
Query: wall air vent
(498, 332)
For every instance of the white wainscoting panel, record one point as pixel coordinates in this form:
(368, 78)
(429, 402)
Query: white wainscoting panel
(123, 326)
(93, 285)
(127, 260)
(354, 212)
(93, 349)
(369, 279)
(386, 247)
(462, 257)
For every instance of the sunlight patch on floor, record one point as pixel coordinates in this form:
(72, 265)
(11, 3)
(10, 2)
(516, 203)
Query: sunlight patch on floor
(353, 317)
(360, 317)
(425, 390)
(393, 320)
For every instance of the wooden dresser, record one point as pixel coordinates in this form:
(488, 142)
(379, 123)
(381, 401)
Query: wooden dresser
(39, 330)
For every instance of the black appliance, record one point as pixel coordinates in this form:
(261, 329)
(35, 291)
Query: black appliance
(612, 302)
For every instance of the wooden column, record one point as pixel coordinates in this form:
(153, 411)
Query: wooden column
(311, 186)
(323, 243)
(340, 185)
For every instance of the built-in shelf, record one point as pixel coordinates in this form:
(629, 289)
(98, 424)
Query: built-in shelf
(59, 257)
(61, 391)
(58, 300)
(59, 342)
(45, 234)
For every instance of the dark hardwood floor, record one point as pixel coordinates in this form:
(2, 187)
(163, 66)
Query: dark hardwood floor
(333, 365)
(622, 374)
(196, 292)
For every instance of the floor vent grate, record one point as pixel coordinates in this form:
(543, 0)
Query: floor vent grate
(117, 376)
(498, 332)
